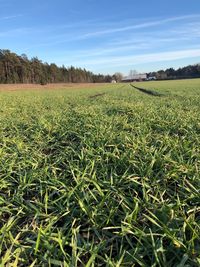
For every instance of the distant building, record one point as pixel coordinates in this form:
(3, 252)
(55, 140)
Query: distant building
(113, 81)
(151, 78)
(135, 77)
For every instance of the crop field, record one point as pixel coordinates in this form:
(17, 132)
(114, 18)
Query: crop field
(105, 175)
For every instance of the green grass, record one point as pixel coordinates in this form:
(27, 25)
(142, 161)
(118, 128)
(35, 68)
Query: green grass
(112, 180)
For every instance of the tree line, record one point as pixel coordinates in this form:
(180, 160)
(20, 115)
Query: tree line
(191, 71)
(20, 69)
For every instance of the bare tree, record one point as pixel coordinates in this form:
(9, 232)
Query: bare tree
(118, 76)
(132, 73)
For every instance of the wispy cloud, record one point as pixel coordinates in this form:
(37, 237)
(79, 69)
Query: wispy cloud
(10, 17)
(138, 40)
(131, 46)
(142, 59)
(138, 26)
(17, 32)
(96, 44)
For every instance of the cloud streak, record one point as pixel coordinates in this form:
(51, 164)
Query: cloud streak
(18, 32)
(10, 17)
(139, 26)
(96, 44)
(142, 59)
(182, 33)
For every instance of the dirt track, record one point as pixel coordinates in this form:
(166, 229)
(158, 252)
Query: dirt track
(54, 86)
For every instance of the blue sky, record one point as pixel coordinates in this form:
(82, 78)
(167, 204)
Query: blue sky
(104, 36)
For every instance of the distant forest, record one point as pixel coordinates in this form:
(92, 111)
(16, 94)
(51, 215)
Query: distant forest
(20, 69)
(191, 71)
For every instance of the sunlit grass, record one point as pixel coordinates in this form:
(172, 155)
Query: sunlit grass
(109, 180)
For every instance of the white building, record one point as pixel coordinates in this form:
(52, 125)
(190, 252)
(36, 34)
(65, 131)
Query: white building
(135, 77)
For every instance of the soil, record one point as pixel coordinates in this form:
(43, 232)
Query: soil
(53, 86)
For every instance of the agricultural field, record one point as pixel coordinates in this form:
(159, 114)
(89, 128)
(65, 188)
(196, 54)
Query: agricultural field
(105, 175)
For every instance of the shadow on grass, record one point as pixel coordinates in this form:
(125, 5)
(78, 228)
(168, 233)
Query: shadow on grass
(147, 91)
(97, 95)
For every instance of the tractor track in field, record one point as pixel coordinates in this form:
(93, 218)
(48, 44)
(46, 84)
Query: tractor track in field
(97, 95)
(147, 91)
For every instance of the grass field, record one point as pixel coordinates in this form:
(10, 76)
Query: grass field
(103, 176)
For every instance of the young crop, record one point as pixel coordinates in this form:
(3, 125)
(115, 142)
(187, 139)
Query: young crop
(107, 176)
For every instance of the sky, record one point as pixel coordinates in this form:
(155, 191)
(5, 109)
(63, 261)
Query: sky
(104, 36)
